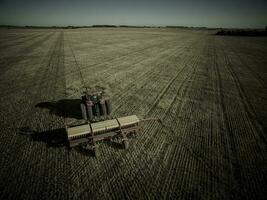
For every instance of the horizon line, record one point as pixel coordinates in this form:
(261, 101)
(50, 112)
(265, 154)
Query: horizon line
(120, 26)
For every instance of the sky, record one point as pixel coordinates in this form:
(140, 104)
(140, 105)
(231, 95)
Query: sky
(198, 13)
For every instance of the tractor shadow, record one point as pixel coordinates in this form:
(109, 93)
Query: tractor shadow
(57, 139)
(52, 138)
(69, 108)
(84, 151)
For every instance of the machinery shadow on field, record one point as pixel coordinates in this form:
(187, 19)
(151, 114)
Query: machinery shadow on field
(57, 138)
(84, 151)
(53, 138)
(63, 108)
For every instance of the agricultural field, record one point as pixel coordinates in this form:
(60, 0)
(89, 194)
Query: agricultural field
(210, 93)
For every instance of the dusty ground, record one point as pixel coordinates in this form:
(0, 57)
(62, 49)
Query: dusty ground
(209, 91)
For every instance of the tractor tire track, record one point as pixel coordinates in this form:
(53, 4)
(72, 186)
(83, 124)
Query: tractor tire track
(9, 62)
(256, 76)
(236, 142)
(230, 141)
(138, 154)
(257, 124)
(19, 41)
(148, 76)
(133, 54)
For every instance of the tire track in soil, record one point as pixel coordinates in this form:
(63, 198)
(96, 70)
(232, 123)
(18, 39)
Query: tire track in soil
(20, 121)
(122, 95)
(148, 46)
(151, 141)
(14, 87)
(252, 47)
(37, 79)
(72, 177)
(4, 38)
(249, 119)
(20, 50)
(231, 148)
(191, 152)
(109, 161)
(22, 101)
(133, 54)
(257, 124)
(256, 75)
(8, 36)
(58, 85)
(138, 155)
(53, 53)
(57, 177)
(10, 62)
(153, 129)
(72, 189)
(186, 86)
(19, 41)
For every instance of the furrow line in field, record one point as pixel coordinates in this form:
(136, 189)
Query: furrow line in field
(147, 44)
(55, 89)
(151, 130)
(56, 65)
(165, 89)
(102, 81)
(255, 49)
(138, 154)
(25, 51)
(148, 78)
(118, 68)
(110, 162)
(255, 74)
(40, 86)
(194, 154)
(168, 121)
(120, 57)
(218, 102)
(7, 37)
(201, 159)
(143, 75)
(255, 132)
(257, 124)
(27, 112)
(80, 69)
(231, 138)
(18, 41)
(134, 54)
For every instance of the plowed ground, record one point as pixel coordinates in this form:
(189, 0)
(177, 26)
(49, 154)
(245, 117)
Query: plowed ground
(210, 93)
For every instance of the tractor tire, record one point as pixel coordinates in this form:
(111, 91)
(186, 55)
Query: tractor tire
(90, 111)
(103, 109)
(97, 110)
(108, 106)
(83, 110)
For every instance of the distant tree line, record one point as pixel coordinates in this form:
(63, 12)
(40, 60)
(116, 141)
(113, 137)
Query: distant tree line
(101, 26)
(237, 32)
(243, 32)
